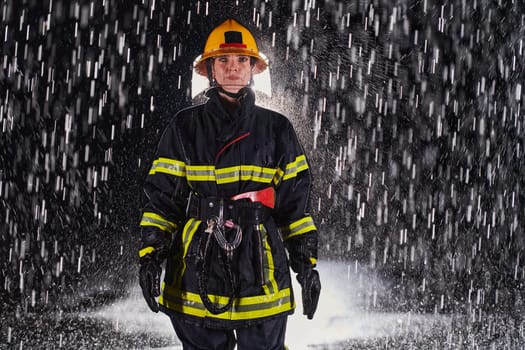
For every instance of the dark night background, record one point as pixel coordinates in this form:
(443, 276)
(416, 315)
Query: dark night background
(410, 112)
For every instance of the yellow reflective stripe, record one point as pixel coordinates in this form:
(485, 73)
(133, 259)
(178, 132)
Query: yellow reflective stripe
(187, 235)
(242, 309)
(270, 284)
(245, 173)
(231, 174)
(152, 219)
(145, 251)
(313, 261)
(295, 167)
(278, 176)
(200, 172)
(168, 166)
(298, 227)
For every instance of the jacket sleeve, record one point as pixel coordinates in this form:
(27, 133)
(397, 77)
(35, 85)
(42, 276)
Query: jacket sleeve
(166, 191)
(293, 183)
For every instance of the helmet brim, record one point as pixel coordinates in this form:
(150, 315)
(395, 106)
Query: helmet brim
(260, 64)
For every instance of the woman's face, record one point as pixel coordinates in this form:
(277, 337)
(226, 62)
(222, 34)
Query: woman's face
(232, 72)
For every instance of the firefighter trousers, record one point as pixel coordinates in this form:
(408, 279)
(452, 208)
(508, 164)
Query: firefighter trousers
(267, 335)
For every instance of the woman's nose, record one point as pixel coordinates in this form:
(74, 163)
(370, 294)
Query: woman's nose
(233, 65)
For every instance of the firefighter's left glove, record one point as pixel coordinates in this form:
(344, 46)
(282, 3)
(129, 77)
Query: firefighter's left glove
(311, 289)
(149, 279)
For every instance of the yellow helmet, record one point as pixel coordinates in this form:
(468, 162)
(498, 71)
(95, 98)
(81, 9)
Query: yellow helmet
(230, 38)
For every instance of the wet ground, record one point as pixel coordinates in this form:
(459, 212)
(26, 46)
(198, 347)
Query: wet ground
(372, 331)
(340, 323)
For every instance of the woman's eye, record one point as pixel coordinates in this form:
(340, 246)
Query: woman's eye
(223, 59)
(243, 59)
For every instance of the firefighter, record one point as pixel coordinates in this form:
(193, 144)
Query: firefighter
(226, 211)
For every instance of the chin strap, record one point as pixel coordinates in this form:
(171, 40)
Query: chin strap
(235, 95)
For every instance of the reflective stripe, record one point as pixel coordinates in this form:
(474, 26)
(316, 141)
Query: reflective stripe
(228, 175)
(168, 166)
(200, 172)
(295, 167)
(152, 219)
(231, 174)
(243, 308)
(210, 173)
(187, 235)
(291, 169)
(278, 176)
(245, 173)
(270, 285)
(298, 227)
(145, 251)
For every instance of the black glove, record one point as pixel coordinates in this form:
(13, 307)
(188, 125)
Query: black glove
(311, 289)
(149, 279)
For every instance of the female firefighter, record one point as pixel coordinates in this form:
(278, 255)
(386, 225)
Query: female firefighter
(227, 196)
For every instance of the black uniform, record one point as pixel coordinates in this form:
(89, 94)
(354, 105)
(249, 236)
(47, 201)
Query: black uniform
(206, 156)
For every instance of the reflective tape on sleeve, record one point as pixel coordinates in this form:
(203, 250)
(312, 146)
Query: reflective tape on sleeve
(168, 166)
(145, 251)
(152, 219)
(295, 167)
(298, 227)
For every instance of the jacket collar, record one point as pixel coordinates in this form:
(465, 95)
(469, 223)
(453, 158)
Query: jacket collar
(247, 102)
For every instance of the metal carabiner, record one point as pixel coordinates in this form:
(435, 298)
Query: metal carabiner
(212, 225)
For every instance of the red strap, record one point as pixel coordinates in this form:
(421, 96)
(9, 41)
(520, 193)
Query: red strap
(266, 196)
(241, 45)
(243, 136)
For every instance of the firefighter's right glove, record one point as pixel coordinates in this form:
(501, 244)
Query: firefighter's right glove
(149, 279)
(311, 289)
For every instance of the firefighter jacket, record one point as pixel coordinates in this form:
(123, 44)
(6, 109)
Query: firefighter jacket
(210, 154)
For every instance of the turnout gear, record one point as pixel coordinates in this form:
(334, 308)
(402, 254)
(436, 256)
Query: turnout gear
(230, 38)
(220, 216)
(228, 194)
(207, 163)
